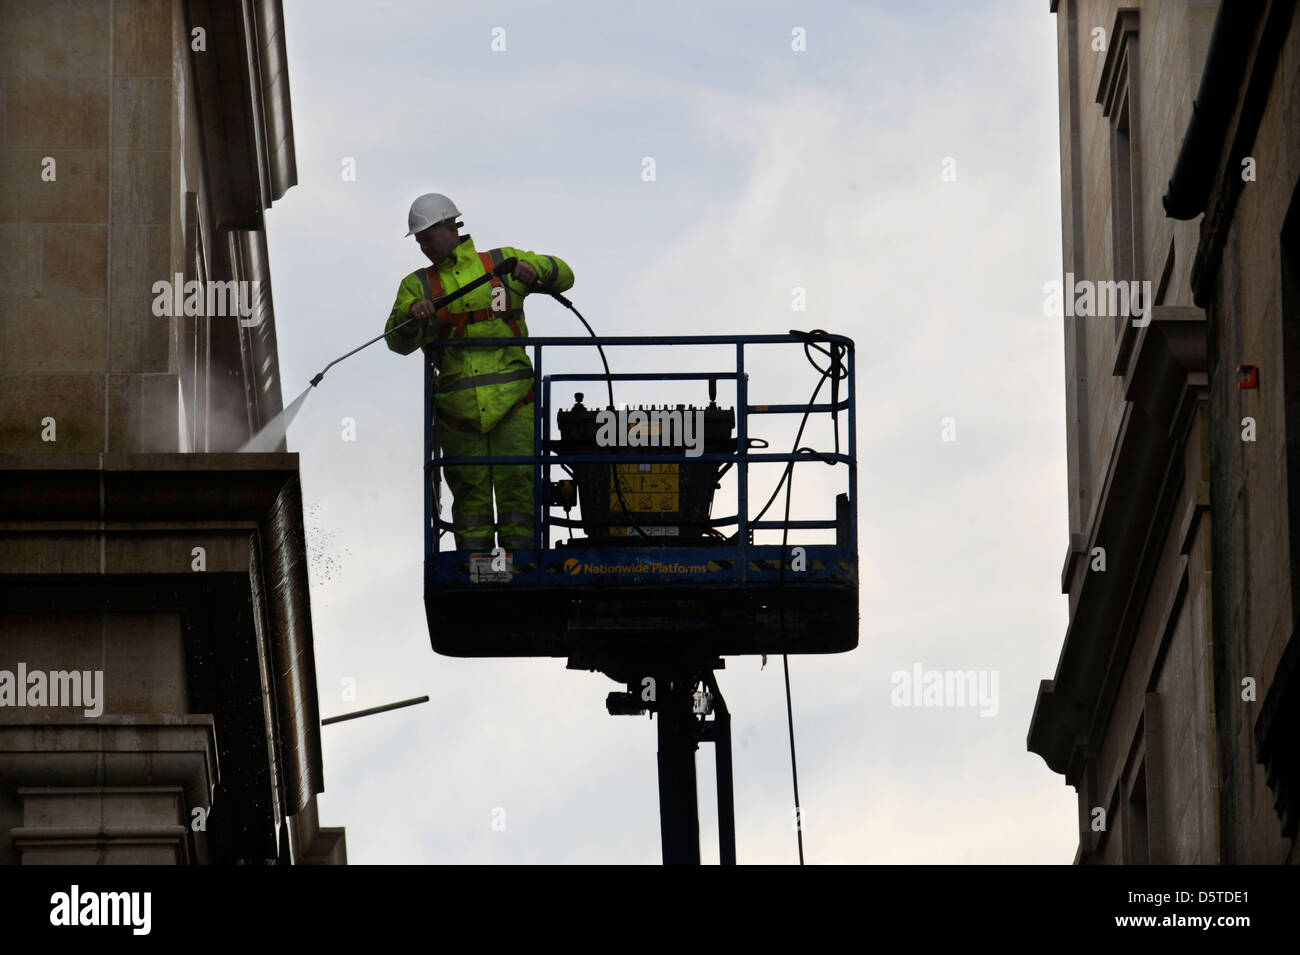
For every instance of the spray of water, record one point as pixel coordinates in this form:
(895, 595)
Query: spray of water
(269, 438)
(273, 432)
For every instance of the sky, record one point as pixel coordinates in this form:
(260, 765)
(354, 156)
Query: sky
(902, 168)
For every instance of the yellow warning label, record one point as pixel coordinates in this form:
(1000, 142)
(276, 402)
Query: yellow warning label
(663, 502)
(648, 488)
(648, 482)
(647, 468)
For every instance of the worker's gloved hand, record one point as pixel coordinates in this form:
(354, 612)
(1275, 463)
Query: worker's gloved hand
(422, 310)
(525, 273)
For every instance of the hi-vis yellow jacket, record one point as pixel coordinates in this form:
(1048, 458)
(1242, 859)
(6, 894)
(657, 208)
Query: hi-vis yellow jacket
(476, 387)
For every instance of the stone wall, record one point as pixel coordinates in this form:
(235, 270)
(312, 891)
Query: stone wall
(85, 214)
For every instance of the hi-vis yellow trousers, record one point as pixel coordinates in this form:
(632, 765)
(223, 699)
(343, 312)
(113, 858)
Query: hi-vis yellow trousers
(472, 485)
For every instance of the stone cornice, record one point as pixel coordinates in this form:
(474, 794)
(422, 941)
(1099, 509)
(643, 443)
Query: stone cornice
(157, 750)
(142, 487)
(1171, 361)
(127, 493)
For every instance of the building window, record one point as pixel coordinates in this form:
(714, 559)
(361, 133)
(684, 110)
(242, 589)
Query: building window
(1117, 94)
(1136, 850)
(1121, 197)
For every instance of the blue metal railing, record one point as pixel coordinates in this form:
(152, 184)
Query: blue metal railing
(741, 458)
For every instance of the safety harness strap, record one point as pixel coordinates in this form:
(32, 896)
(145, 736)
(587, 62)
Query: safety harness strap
(496, 257)
(453, 324)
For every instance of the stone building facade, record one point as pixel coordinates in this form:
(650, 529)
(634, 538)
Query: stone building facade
(1175, 704)
(142, 141)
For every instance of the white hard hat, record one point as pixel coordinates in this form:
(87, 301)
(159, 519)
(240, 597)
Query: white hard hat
(430, 209)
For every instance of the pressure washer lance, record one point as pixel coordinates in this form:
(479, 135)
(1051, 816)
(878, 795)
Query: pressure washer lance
(504, 268)
(272, 433)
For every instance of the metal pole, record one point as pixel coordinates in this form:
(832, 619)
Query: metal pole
(742, 464)
(541, 536)
(679, 816)
(720, 733)
(374, 709)
(432, 499)
(853, 456)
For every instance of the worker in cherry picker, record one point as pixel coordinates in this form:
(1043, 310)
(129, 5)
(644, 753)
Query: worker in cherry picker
(484, 398)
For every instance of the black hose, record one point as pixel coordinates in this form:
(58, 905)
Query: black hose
(835, 371)
(609, 384)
